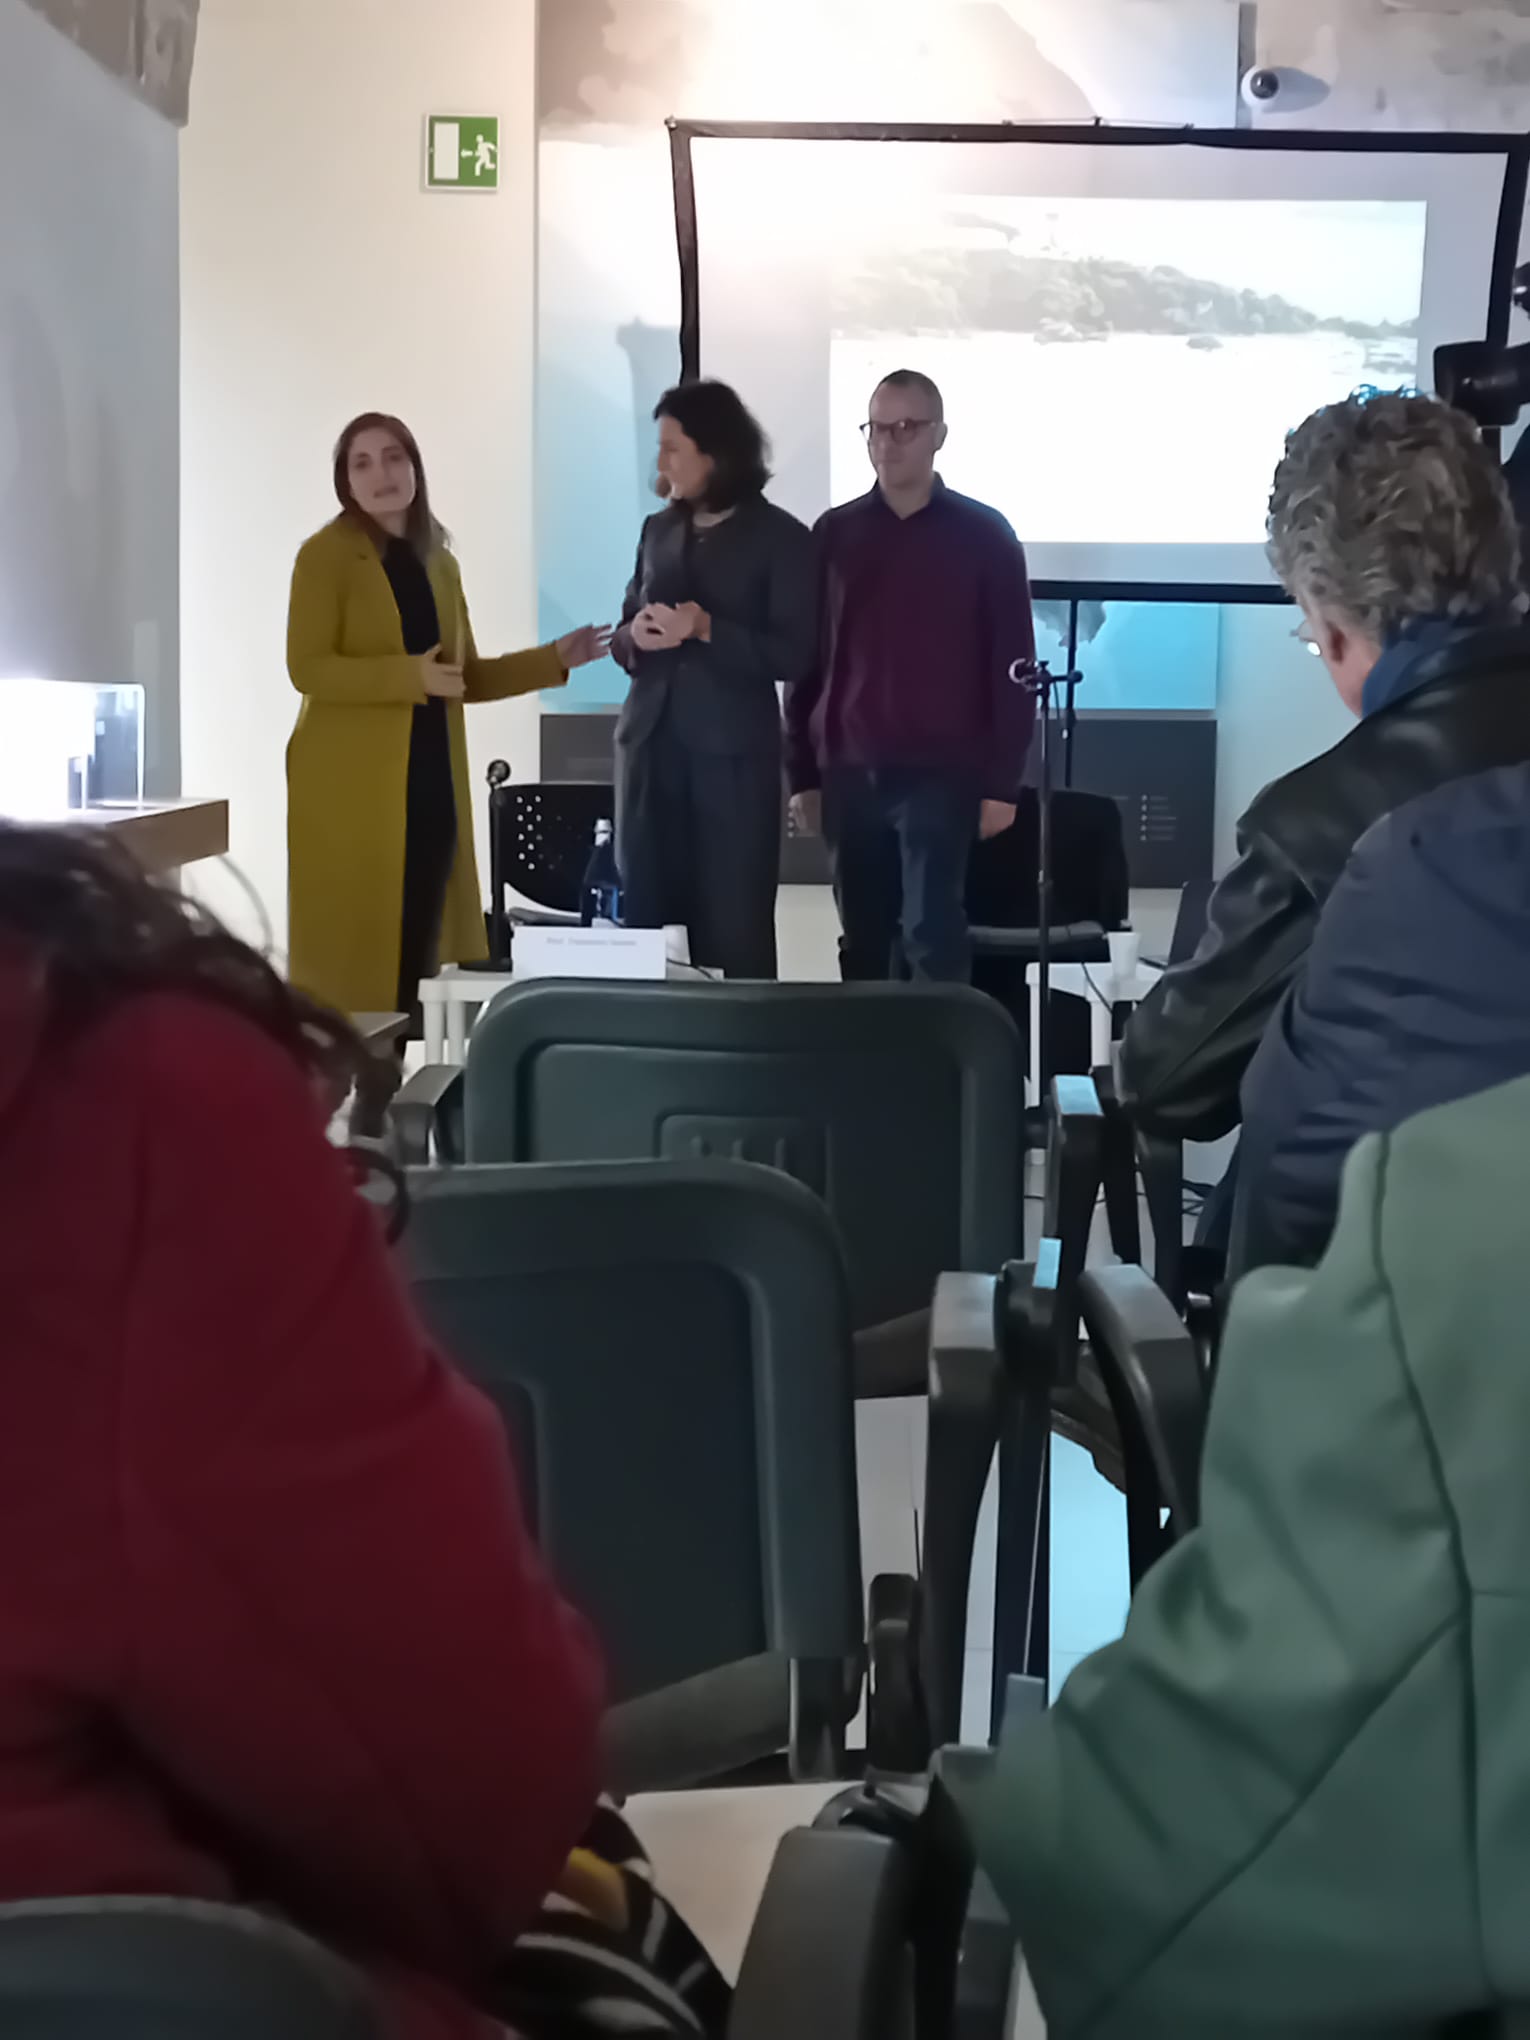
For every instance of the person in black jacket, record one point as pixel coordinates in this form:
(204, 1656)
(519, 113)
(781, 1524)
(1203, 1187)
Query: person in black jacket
(721, 613)
(1416, 993)
(1391, 527)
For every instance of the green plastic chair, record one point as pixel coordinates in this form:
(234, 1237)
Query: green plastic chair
(899, 1106)
(171, 1969)
(670, 1351)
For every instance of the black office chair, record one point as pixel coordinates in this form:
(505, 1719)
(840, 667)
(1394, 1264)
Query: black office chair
(669, 1347)
(900, 1106)
(540, 840)
(1091, 882)
(1091, 897)
(171, 1969)
(1026, 1326)
(1147, 1360)
(868, 1929)
(875, 1922)
(1191, 1276)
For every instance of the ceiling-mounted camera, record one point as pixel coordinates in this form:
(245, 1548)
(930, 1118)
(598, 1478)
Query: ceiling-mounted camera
(1279, 88)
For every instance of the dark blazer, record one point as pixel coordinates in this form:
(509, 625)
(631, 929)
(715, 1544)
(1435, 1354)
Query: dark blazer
(1416, 994)
(1189, 1044)
(755, 575)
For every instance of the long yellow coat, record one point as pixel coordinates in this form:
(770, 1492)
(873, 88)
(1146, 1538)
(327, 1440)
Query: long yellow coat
(348, 767)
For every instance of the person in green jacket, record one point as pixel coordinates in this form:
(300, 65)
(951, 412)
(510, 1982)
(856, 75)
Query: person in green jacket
(1294, 1798)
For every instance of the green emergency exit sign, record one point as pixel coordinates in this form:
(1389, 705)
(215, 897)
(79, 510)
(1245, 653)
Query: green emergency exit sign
(462, 152)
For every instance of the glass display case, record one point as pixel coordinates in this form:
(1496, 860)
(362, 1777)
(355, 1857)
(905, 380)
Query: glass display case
(65, 746)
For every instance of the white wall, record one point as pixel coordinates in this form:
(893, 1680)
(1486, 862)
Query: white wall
(88, 378)
(1276, 708)
(319, 280)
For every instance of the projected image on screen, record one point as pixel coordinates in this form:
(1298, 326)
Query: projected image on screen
(1122, 371)
(1124, 334)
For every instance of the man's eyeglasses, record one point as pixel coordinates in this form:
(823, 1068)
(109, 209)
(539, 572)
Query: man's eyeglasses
(1307, 644)
(901, 431)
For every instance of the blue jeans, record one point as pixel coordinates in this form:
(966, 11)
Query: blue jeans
(900, 840)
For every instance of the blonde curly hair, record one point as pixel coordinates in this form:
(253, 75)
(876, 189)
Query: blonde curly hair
(1387, 508)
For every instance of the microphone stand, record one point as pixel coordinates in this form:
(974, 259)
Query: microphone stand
(1072, 680)
(1037, 675)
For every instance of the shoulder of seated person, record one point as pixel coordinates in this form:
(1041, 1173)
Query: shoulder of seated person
(174, 1053)
(1297, 797)
(1470, 807)
(1479, 1145)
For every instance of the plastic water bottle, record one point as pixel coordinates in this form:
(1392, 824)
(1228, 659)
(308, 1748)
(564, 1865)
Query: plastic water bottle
(602, 896)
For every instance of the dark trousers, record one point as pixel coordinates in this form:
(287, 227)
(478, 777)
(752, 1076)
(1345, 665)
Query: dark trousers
(900, 841)
(430, 850)
(698, 843)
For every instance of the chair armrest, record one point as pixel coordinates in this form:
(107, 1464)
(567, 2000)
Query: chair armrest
(1075, 1175)
(1076, 942)
(1152, 1374)
(539, 917)
(1160, 1164)
(421, 1116)
(898, 1743)
(966, 1377)
(824, 1956)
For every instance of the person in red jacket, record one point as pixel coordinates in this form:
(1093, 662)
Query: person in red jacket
(272, 1630)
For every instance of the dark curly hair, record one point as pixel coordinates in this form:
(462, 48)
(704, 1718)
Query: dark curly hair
(103, 931)
(720, 424)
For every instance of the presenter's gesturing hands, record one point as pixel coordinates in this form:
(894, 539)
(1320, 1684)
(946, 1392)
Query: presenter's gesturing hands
(584, 646)
(664, 628)
(442, 676)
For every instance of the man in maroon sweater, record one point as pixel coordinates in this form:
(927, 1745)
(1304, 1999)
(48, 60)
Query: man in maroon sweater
(909, 738)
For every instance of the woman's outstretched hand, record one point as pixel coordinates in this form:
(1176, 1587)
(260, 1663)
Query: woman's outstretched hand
(584, 646)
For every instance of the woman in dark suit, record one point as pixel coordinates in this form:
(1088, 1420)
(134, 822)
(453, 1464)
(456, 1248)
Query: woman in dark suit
(720, 614)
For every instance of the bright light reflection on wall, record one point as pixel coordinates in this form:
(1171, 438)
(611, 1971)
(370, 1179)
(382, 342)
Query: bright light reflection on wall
(47, 734)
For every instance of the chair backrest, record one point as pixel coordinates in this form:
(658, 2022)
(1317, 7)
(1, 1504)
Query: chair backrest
(541, 836)
(670, 1350)
(898, 1105)
(167, 1969)
(1190, 920)
(1090, 878)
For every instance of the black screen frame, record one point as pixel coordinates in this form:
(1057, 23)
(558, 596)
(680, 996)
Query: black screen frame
(1514, 148)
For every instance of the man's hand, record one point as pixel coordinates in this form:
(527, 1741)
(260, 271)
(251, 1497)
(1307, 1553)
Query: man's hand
(994, 817)
(695, 622)
(806, 813)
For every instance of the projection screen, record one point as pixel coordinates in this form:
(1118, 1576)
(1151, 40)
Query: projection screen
(1124, 324)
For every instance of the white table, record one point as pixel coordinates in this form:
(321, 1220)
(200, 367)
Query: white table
(454, 1000)
(447, 1001)
(1099, 984)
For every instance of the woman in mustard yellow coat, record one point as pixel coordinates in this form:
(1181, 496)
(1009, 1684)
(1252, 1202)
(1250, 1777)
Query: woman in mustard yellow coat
(382, 882)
